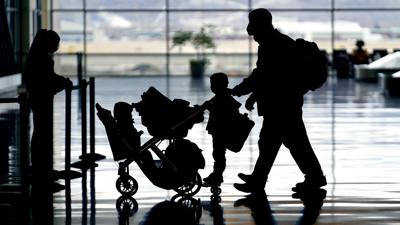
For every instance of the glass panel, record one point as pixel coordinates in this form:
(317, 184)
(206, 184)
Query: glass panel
(124, 4)
(209, 4)
(126, 64)
(66, 64)
(312, 26)
(13, 26)
(379, 30)
(228, 30)
(233, 64)
(138, 32)
(292, 4)
(367, 4)
(67, 4)
(69, 25)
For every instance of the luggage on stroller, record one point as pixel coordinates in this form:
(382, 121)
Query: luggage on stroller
(186, 156)
(161, 115)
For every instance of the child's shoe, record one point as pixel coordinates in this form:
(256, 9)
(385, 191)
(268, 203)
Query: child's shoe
(213, 179)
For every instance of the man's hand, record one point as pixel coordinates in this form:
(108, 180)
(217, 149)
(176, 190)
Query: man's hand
(233, 91)
(249, 105)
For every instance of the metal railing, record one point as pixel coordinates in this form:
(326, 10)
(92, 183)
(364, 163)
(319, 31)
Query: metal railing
(87, 160)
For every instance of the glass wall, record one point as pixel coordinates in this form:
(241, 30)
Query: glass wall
(126, 37)
(13, 19)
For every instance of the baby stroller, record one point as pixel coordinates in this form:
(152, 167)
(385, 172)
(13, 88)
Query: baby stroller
(177, 167)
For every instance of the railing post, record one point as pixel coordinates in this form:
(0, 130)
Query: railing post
(92, 150)
(92, 115)
(82, 89)
(92, 156)
(79, 73)
(68, 155)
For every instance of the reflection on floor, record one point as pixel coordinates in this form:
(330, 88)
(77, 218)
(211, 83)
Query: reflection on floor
(354, 131)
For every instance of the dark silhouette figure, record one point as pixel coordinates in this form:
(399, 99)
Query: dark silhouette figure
(360, 55)
(125, 125)
(274, 87)
(223, 110)
(42, 84)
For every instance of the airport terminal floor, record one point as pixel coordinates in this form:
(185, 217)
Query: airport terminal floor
(353, 128)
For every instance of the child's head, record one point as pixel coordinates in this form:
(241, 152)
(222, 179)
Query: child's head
(123, 112)
(219, 82)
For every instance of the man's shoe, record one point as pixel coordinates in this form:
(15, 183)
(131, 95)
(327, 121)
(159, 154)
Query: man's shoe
(245, 177)
(310, 183)
(243, 187)
(248, 188)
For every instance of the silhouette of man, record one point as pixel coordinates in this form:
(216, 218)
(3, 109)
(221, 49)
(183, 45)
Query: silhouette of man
(42, 84)
(273, 85)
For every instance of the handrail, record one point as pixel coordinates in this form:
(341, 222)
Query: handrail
(9, 100)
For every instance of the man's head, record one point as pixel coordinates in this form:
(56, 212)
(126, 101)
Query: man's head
(360, 43)
(260, 24)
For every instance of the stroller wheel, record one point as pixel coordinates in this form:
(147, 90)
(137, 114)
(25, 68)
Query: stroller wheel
(126, 205)
(127, 185)
(216, 190)
(191, 188)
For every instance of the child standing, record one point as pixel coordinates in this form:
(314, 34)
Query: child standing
(222, 110)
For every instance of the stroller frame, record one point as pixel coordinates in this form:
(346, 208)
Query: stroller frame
(128, 186)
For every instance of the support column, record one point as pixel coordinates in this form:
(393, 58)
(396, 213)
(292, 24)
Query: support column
(45, 9)
(24, 40)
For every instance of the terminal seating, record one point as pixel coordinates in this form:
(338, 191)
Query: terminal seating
(389, 84)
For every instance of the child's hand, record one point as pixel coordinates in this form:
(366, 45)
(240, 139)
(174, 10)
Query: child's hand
(206, 105)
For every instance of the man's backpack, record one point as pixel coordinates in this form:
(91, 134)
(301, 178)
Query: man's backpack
(312, 64)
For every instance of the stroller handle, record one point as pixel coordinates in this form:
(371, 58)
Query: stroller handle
(200, 109)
